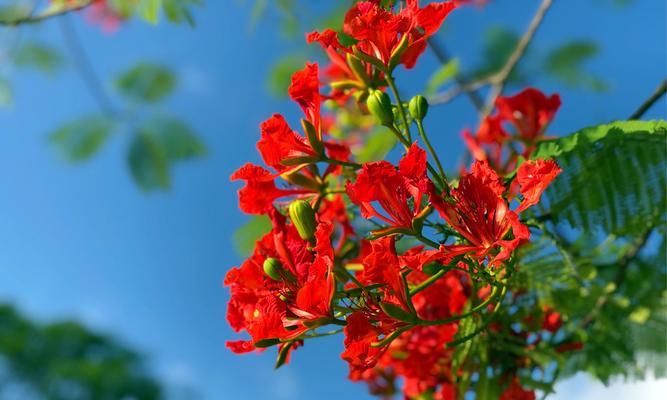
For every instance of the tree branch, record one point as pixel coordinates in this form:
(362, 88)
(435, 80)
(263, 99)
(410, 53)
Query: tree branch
(53, 11)
(470, 91)
(85, 67)
(646, 105)
(498, 80)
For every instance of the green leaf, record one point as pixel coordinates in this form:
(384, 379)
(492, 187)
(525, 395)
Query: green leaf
(441, 76)
(37, 55)
(146, 82)
(253, 230)
(179, 10)
(179, 141)
(149, 10)
(5, 92)
(281, 73)
(613, 177)
(148, 161)
(80, 139)
(379, 144)
(566, 64)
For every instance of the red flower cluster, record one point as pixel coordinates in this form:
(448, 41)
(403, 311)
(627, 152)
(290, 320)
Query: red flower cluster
(382, 40)
(400, 302)
(528, 114)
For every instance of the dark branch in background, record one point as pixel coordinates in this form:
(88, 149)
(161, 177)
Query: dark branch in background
(498, 80)
(85, 67)
(49, 13)
(443, 57)
(657, 94)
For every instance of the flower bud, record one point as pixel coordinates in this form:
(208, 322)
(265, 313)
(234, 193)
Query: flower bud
(357, 68)
(313, 136)
(303, 218)
(418, 107)
(379, 105)
(273, 268)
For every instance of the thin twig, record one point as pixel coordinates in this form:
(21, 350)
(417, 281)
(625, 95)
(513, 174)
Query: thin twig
(471, 92)
(49, 13)
(646, 105)
(88, 74)
(500, 79)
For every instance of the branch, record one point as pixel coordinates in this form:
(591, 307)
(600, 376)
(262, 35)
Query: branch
(646, 105)
(500, 78)
(88, 74)
(50, 12)
(470, 91)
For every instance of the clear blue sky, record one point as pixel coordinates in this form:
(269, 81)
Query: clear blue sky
(85, 242)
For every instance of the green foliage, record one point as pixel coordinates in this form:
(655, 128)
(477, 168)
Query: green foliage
(245, 237)
(613, 177)
(600, 257)
(40, 56)
(5, 92)
(146, 82)
(156, 146)
(64, 361)
(441, 76)
(80, 139)
(566, 63)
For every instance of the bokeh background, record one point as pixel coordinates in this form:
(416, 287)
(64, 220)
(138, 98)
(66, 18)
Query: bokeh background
(84, 242)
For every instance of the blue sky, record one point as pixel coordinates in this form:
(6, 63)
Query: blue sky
(85, 242)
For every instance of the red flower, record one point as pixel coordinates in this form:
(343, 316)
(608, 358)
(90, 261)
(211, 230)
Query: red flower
(305, 90)
(529, 111)
(360, 334)
(482, 216)
(380, 31)
(533, 178)
(280, 144)
(516, 392)
(269, 309)
(392, 189)
(260, 191)
(552, 320)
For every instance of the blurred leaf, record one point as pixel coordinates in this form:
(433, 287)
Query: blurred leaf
(281, 73)
(157, 145)
(245, 237)
(38, 56)
(178, 10)
(16, 10)
(5, 92)
(441, 76)
(378, 145)
(62, 360)
(146, 82)
(566, 63)
(499, 43)
(149, 162)
(177, 138)
(79, 140)
(149, 10)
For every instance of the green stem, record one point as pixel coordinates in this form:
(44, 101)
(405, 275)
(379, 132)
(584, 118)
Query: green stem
(399, 136)
(442, 177)
(427, 241)
(343, 163)
(427, 282)
(455, 318)
(401, 109)
(398, 332)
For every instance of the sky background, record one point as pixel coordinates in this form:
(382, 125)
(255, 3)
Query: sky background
(85, 242)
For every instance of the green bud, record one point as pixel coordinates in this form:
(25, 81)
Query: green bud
(303, 218)
(379, 105)
(418, 107)
(273, 268)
